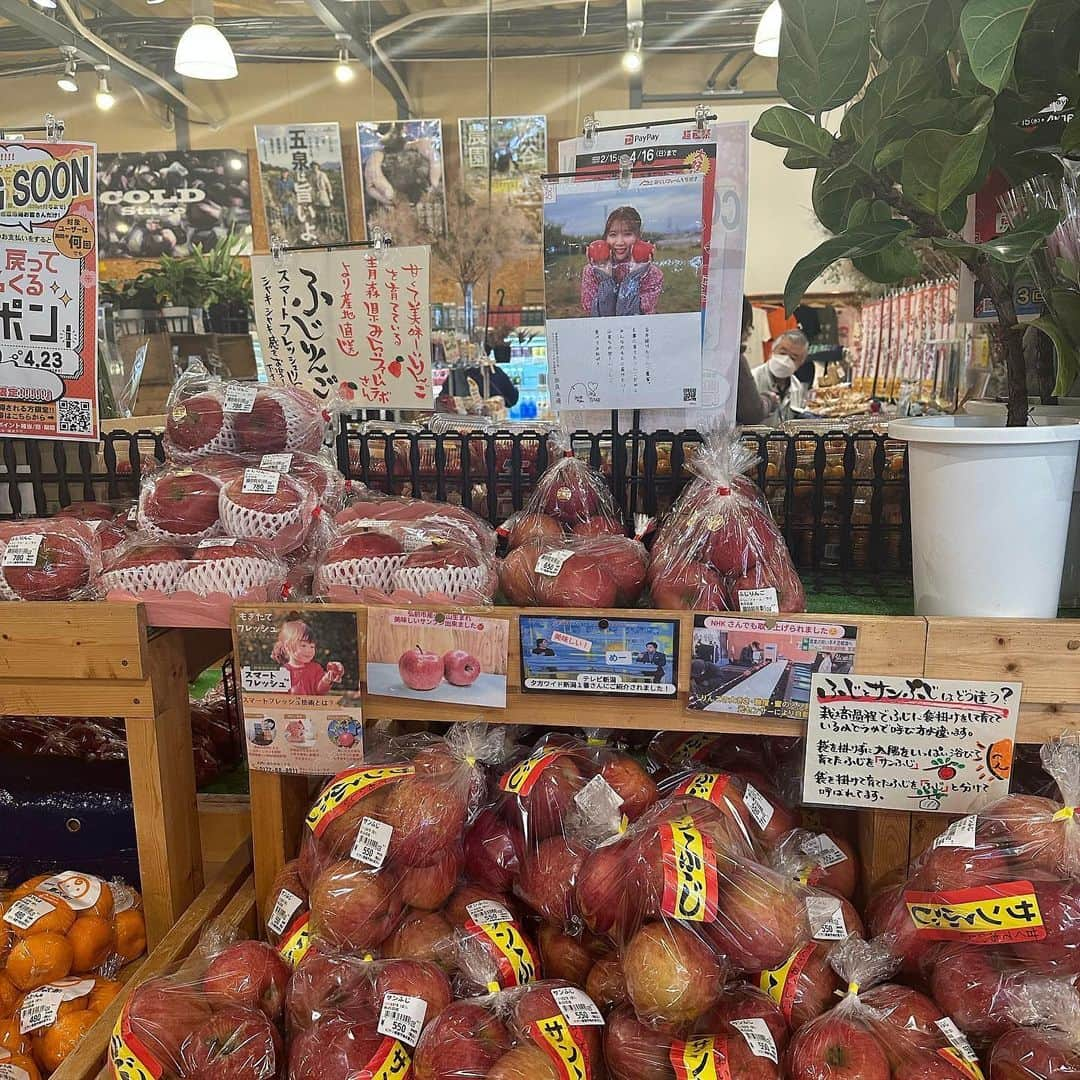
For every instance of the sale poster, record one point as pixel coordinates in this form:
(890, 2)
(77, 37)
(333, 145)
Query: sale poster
(622, 281)
(720, 153)
(751, 668)
(351, 324)
(401, 169)
(172, 202)
(624, 656)
(885, 742)
(442, 656)
(513, 154)
(299, 676)
(48, 291)
(303, 183)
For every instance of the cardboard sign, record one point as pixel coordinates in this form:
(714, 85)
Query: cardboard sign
(299, 689)
(885, 742)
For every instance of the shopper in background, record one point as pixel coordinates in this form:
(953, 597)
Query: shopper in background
(776, 381)
(750, 406)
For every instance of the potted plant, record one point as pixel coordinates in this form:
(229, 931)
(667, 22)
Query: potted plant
(226, 282)
(134, 302)
(180, 289)
(936, 93)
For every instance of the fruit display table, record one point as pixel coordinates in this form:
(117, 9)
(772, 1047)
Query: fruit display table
(101, 659)
(1041, 655)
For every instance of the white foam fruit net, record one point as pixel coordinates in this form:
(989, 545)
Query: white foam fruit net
(452, 581)
(155, 577)
(224, 442)
(259, 524)
(158, 533)
(233, 576)
(360, 573)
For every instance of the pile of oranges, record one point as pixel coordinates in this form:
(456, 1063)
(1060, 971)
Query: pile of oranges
(60, 937)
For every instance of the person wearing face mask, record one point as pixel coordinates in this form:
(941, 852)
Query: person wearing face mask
(776, 380)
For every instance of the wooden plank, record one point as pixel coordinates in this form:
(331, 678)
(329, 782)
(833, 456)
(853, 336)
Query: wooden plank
(278, 806)
(76, 697)
(88, 1058)
(163, 791)
(81, 640)
(884, 845)
(224, 822)
(1044, 655)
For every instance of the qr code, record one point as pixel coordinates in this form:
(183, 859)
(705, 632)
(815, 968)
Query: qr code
(689, 393)
(74, 416)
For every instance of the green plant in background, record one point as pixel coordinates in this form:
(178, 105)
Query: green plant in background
(177, 281)
(225, 277)
(935, 93)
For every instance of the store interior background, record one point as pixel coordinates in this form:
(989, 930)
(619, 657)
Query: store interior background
(683, 43)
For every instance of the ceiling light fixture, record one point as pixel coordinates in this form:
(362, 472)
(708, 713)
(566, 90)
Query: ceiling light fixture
(632, 59)
(343, 69)
(204, 52)
(104, 98)
(48, 4)
(67, 81)
(767, 38)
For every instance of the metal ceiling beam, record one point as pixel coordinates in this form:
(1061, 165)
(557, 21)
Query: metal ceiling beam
(56, 33)
(325, 12)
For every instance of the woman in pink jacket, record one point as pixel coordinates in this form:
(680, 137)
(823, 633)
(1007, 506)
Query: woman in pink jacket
(620, 277)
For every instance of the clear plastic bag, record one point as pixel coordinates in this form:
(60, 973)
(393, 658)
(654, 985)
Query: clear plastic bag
(719, 543)
(1047, 1044)
(440, 518)
(49, 559)
(181, 505)
(263, 504)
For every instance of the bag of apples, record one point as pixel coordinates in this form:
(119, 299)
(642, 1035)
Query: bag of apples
(720, 549)
(1047, 1044)
(548, 1030)
(570, 499)
(437, 518)
(878, 1030)
(49, 559)
(220, 1015)
(350, 1016)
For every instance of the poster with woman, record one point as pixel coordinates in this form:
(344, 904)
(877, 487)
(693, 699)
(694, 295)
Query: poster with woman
(401, 168)
(303, 183)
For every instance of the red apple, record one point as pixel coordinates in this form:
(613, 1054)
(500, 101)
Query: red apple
(517, 579)
(249, 974)
(456, 910)
(162, 1014)
(1034, 1054)
(359, 544)
(568, 957)
(493, 849)
(414, 978)
(904, 1008)
(523, 527)
(428, 887)
(970, 985)
(180, 503)
(672, 975)
(460, 667)
(526, 1062)
(624, 561)
(887, 913)
(233, 1044)
(542, 809)
(687, 584)
(1059, 951)
(606, 984)
(606, 894)
(143, 567)
(834, 1048)
(67, 557)
(927, 1065)
(462, 1043)
(548, 875)
(631, 783)
(427, 814)
(194, 423)
(582, 581)
(537, 1003)
(419, 669)
(599, 525)
(328, 983)
(740, 1001)
(335, 1048)
(1027, 823)
(422, 935)
(634, 1051)
(263, 430)
(840, 877)
(570, 492)
(806, 989)
(354, 908)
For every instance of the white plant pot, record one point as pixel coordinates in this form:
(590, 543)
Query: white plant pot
(989, 513)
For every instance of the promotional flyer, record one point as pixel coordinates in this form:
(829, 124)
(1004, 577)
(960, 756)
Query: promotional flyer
(401, 169)
(48, 291)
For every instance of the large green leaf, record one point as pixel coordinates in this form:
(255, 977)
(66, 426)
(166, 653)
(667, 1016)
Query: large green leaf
(834, 193)
(938, 166)
(855, 243)
(906, 83)
(915, 27)
(991, 30)
(824, 52)
(1013, 246)
(794, 130)
(1068, 356)
(893, 263)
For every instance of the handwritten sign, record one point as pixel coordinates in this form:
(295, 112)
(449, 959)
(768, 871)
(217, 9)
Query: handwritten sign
(885, 742)
(48, 291)
(347, 323)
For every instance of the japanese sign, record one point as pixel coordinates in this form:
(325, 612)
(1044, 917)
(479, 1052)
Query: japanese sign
(299, 674)
(884, 742)
(437, 656)
(639, 657)
(401, 166)
(170, 202)
(622, 280)
(720, 153)
(514, 153)
(351, 323)
(752, 668)
(303, 183)
(48, 291)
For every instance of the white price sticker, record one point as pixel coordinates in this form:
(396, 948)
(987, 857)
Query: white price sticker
(960, 833)
(81, 891)
(260, 482)
(217, 541)
(372, 842)
(27, 910)
(279, 463)
(402, 1018)
(758, 1037)
(822, 850)
(39, 1009)
(239, 397)
(551, 562)
(958, 1039)
(11, 1072)
(598, 797)
(577, 1007)
(285, 907)
(23, 550)
(760, 600)
(761, 810)
(488, 913)
(826, 917)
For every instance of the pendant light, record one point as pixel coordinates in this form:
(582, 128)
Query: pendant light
(767, 38)
(203, 52)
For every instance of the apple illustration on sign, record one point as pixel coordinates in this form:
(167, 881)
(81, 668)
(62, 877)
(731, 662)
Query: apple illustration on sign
(420, 670)
(461, 668)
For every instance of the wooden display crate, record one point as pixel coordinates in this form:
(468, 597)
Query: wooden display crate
(100, 659)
